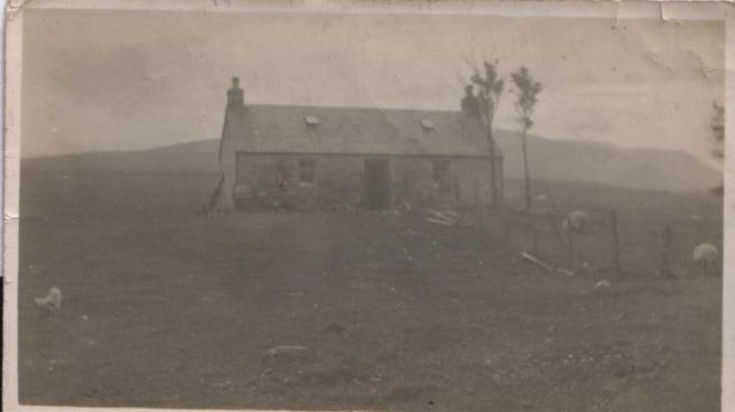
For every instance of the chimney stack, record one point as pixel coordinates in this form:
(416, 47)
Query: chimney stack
(235, 96)
(470, 104)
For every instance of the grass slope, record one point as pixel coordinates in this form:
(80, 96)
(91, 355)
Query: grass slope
(163, 308)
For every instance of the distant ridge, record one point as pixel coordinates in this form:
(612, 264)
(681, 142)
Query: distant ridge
(637, 168)
(565, 160)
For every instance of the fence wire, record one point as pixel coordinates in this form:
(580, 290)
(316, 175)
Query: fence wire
(648, 245)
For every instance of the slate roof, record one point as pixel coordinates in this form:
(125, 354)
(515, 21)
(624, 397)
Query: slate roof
(339, 130)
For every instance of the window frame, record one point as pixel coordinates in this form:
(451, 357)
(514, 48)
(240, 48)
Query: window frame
(307, 170)
(440, 170)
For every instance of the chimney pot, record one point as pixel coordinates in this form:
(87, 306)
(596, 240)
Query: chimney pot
(235, 96)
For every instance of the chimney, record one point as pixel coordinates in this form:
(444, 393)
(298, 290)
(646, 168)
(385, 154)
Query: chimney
(235, 94)
(470, 105)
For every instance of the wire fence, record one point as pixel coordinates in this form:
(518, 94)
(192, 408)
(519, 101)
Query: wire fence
(615, 243)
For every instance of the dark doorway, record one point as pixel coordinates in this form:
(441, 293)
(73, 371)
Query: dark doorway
(377, 184)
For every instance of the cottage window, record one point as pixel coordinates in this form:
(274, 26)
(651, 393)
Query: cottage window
(440, 170)
(307, 170)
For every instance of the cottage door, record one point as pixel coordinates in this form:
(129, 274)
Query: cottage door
(377, 184)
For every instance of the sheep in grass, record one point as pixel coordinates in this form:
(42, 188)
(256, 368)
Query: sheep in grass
(577, 221)
(51, 302)
(706, 257)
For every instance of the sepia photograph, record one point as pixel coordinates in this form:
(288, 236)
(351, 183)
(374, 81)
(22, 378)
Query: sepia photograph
(325, 206)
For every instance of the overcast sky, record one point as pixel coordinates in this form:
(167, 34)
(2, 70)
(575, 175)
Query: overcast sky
(100, 80)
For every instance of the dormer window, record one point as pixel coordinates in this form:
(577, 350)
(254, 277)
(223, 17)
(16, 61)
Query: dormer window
(311, 121)
(427, 124)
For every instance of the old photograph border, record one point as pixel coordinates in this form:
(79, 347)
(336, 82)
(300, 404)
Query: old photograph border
(604, 10)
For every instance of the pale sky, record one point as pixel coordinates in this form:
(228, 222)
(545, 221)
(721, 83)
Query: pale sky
(111, 80)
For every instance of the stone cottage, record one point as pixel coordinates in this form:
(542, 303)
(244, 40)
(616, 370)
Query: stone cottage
(316, 157)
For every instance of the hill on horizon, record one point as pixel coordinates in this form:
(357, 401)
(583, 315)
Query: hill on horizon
(563, 160)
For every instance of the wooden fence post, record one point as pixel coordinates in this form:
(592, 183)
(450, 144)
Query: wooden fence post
(535, 233)
(615, 244)
(478, 207)
(457, 192)
(666, 239)
(406, 187)
(570, 247)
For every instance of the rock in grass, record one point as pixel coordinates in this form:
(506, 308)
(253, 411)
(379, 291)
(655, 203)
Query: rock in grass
(603, 284)
(280, 355)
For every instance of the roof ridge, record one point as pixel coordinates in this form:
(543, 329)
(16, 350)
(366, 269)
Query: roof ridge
(351, 129)
(373, 108)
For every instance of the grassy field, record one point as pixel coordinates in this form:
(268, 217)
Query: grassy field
(166, 308)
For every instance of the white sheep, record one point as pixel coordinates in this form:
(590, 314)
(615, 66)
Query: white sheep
(706, 256)
(51, 302)
(577, 221)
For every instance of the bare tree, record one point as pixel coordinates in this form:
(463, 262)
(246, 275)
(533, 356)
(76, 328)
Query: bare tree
(528, 90)
(717, 125)
(491, 87)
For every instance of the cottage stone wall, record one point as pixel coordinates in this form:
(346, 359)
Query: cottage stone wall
(273, 180)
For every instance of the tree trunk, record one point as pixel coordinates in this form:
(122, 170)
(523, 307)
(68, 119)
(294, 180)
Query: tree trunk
(527, 176)
(615, 244)
(493, 166)
(666, 238)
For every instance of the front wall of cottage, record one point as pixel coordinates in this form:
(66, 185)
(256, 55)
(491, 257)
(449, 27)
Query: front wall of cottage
(310, 182)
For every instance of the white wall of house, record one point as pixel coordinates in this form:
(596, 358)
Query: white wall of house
(313, 181)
